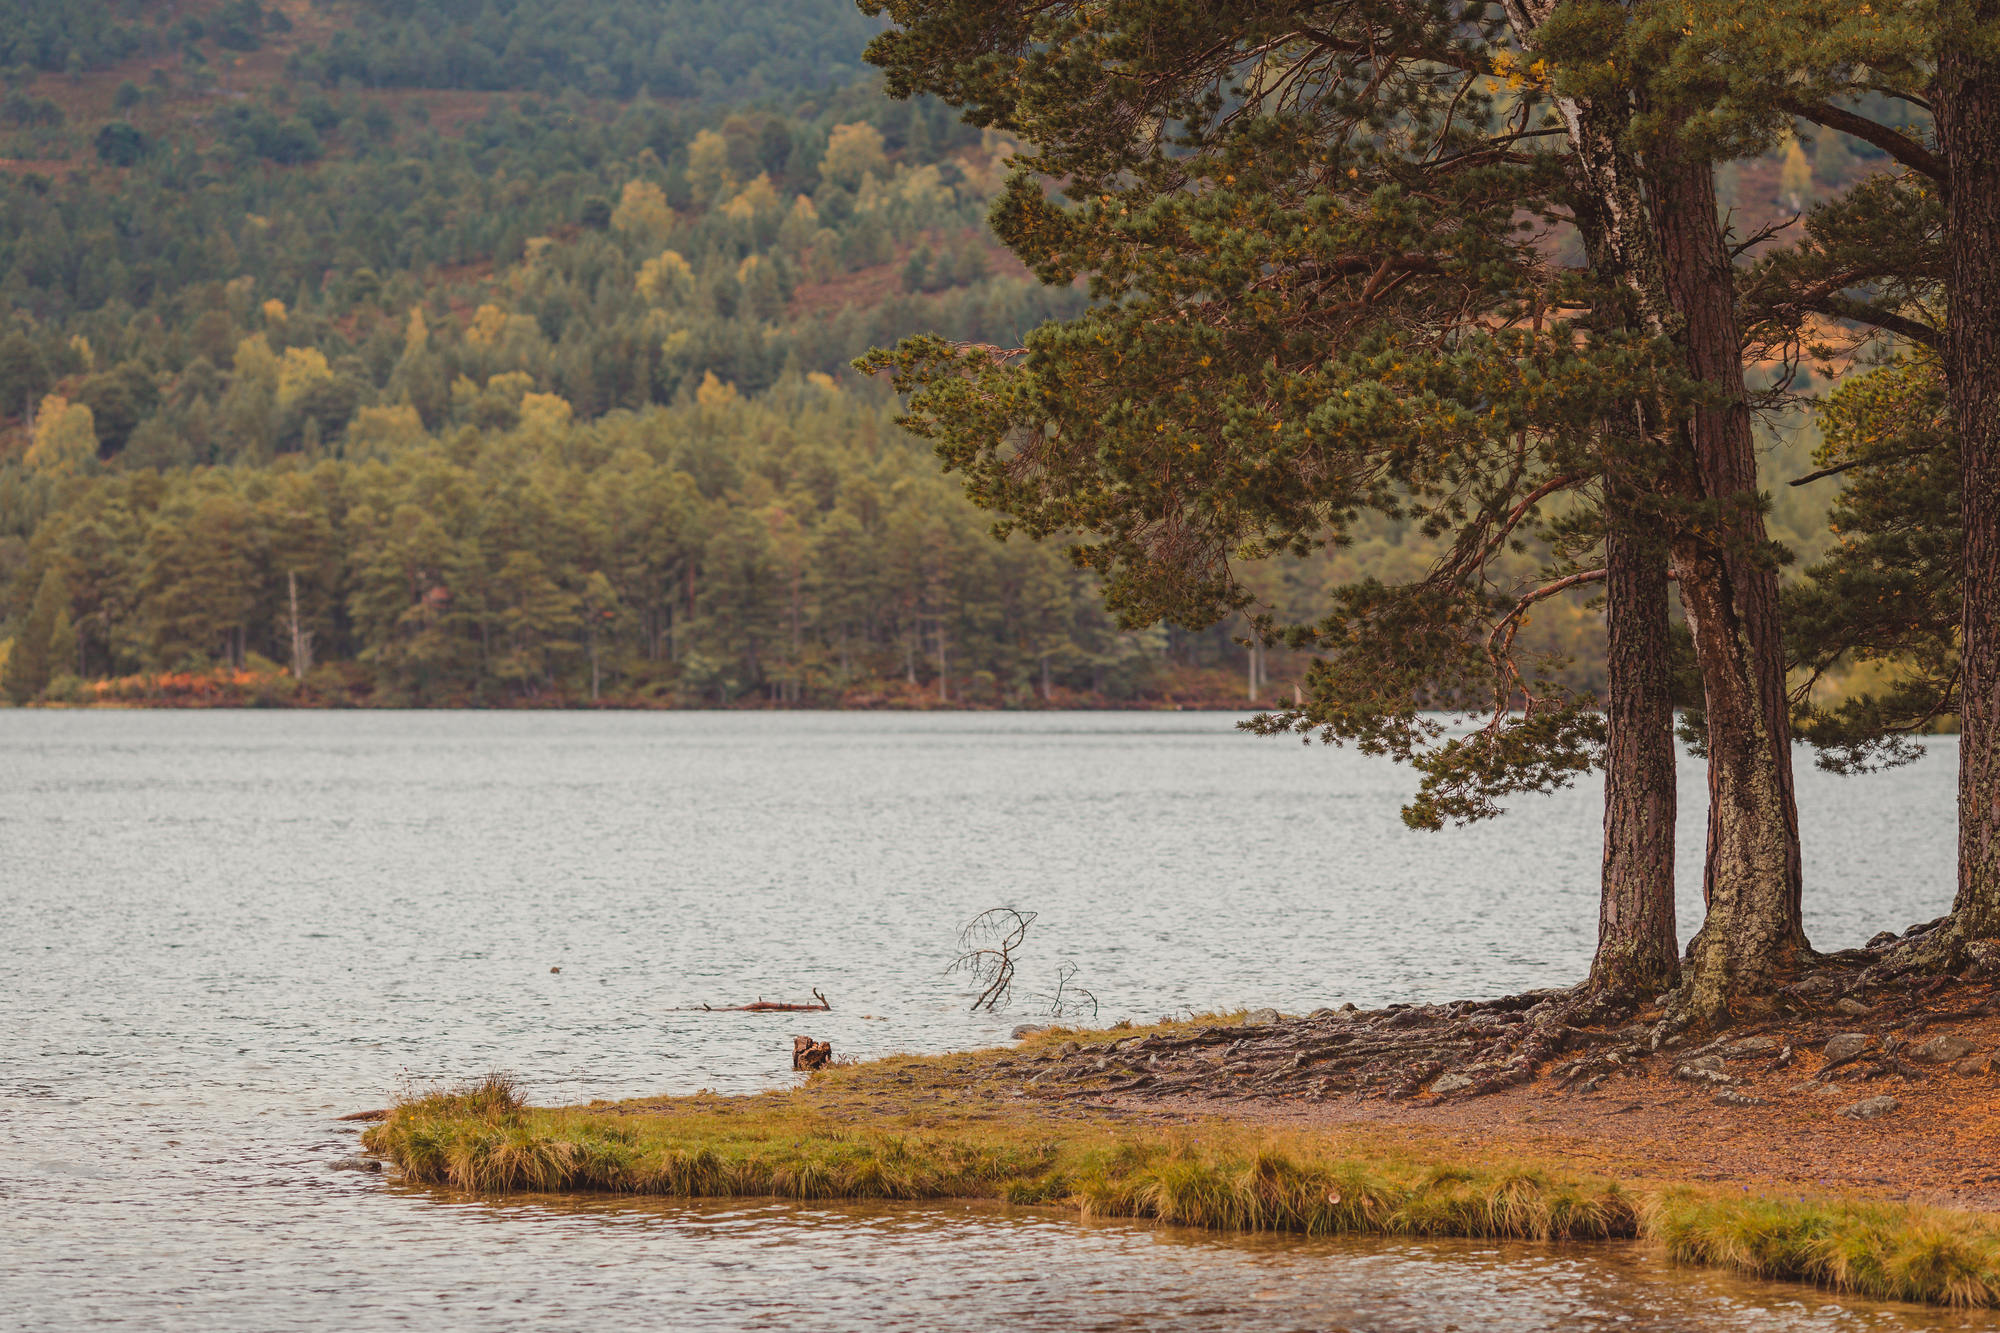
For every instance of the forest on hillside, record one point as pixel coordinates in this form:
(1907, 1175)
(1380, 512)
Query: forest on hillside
(424, 351)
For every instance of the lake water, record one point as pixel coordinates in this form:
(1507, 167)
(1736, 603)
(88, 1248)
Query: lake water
(224, 929)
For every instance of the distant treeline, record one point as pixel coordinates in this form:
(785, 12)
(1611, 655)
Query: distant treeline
(794, 548)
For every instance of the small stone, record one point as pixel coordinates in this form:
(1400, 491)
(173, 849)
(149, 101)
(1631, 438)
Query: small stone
(1731, 1097)
(1871, 1108)
(1851, 1007)
(1261, 1017)
(1029, 1030)
(357, 1163)
(1736, 1050)
(1943, 1049)
(1977, 1065)
(1829, 1090)
(1451, 1083)
(1847, 1045)
(1705, 1069)
(555, 969)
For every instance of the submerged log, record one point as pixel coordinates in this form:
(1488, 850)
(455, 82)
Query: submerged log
(763, 1006)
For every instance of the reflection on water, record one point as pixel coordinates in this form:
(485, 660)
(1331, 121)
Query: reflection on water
(224, 929)
(762, 1265)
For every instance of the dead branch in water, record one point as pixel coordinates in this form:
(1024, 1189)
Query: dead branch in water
(992, 964)
(764, 1006)
(1068, 1001)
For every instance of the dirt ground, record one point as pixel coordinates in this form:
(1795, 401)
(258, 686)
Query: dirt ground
(1940, 1145)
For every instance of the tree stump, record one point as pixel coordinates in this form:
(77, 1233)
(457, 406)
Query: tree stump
(809, 1055)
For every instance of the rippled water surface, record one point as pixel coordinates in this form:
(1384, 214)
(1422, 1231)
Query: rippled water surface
(223, 929)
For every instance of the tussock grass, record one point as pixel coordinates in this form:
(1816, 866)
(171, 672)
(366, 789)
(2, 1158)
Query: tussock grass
(1892, 1251)
(931, 1129)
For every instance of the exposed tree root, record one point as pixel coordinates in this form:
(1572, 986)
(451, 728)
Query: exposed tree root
(1578, 1038)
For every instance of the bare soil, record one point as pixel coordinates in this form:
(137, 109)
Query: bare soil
(1941, 1147)
(1867, 1074)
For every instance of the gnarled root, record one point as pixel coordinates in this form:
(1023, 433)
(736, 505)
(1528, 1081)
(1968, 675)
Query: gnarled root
(1578, 1037)
(1471, 1047)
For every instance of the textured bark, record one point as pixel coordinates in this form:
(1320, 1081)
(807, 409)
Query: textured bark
(1638, 946)
(1638, 949)
(1966, 95)
(1658, 227)
(1751, 881)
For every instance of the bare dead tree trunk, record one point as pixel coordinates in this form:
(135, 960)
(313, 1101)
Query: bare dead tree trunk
(1966, 95)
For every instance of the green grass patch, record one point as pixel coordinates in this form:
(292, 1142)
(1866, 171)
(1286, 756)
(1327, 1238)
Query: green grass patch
(943, 1128)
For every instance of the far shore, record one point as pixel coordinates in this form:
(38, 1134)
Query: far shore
(1779, 1178)
(273, 687)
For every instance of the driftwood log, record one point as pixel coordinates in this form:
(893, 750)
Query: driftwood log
(762, 1006)
(809, 1055)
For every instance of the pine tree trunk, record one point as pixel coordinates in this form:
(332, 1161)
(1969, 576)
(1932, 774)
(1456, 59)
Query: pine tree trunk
(1967, 100)
(1663, 244)
(944, 694)
(1638, 940)
(1638, 948)
(1751, 881)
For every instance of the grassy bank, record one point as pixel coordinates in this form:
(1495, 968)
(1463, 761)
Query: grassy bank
(950, 1128)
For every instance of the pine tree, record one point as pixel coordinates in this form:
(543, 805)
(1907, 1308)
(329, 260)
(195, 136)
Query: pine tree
(1324, 309)
(1893, 255)
(43, 645)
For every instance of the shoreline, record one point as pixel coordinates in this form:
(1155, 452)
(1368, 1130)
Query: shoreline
(1653, 1159)
(344, 688)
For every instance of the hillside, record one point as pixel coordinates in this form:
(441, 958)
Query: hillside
(498, 353)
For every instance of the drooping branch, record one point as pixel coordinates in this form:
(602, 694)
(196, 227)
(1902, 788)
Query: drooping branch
(1501, 636)
(1472, 551)
(1873, 460)
(1897, 145)
(1864, 312)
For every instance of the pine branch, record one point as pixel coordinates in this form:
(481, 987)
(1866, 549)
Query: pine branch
(1899, 146)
